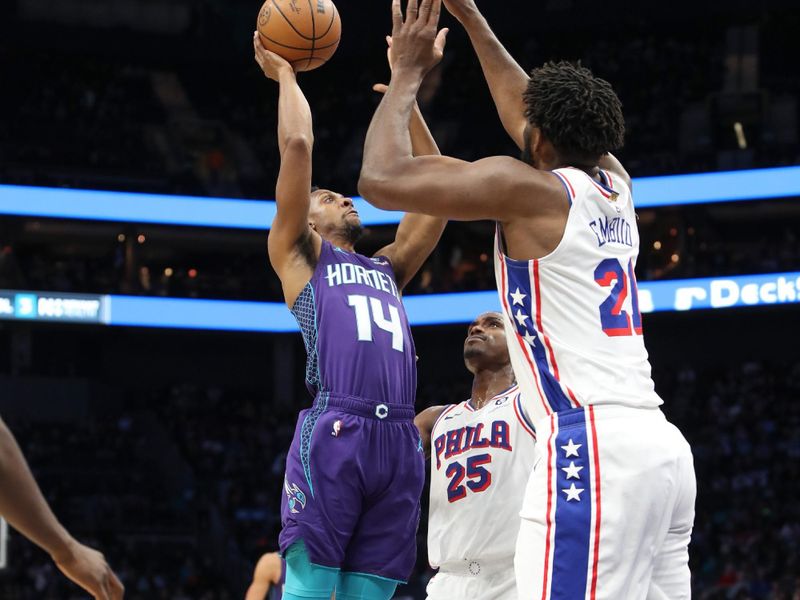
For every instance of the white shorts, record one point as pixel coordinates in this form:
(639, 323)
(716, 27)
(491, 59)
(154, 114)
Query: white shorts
(462, 585)
(609, 508)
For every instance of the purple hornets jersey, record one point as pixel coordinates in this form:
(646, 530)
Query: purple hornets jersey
(355, 469)
(355, 330)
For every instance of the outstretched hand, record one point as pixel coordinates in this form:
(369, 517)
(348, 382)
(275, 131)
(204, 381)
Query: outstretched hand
(89, 569)
(271, 64)
(416, 45)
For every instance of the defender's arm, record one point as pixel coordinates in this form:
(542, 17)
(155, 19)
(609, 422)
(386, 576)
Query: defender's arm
(393, 179)
(507, 80)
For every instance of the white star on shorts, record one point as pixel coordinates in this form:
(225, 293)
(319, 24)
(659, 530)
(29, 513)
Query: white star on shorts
(520, 317)
(573, 493)
(572, 471)
(571, 449)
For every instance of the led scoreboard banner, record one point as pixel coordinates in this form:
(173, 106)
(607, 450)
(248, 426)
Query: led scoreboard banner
(192, 211)
(54, 306)
(434, 309)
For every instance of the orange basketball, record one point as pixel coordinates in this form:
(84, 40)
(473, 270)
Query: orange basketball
(304, 32)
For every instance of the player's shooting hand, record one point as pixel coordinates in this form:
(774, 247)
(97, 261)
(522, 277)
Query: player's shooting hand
(272, 64)
(89, 569)
(416, 45)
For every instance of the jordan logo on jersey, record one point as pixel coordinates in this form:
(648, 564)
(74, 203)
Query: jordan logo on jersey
(458, 441)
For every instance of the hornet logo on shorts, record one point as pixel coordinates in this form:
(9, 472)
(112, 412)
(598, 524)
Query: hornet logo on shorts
(295, 496)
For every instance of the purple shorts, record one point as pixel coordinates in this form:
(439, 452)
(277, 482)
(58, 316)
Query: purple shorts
(354, 476)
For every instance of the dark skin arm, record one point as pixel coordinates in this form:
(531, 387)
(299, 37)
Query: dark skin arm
(417, 234)
(291, 239)
(424, 422)
(497, 188)
(507, 80)
(24, 507)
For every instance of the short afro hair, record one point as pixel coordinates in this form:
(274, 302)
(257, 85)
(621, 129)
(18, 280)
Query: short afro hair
(579, 113)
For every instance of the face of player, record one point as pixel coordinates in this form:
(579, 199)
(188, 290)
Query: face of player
(485, 346)
(333, 215)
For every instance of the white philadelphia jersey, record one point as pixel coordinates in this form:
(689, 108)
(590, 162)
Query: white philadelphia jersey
(572, 318)
(480, 464)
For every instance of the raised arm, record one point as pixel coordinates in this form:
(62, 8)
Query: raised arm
(24, 507)
(292, 244)
(393, 179)
(507, 80)
(417, 234)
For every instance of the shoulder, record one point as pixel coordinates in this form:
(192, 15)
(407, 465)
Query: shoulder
(528, 190)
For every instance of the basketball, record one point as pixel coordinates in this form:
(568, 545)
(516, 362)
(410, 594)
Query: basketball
(304, 32)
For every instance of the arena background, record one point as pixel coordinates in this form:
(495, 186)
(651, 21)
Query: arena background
(157, 424)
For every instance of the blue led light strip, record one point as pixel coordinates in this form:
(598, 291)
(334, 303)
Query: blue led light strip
(435, 309)
(671, 190)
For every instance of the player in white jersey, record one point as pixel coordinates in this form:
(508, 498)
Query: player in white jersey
(609, 507)
(481, 452)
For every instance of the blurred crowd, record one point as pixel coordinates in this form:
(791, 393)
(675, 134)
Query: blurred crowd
(674, 245)
(182, 489)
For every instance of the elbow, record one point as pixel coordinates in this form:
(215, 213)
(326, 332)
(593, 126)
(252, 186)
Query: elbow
(371, 186)
(298, 144)
(378, 185)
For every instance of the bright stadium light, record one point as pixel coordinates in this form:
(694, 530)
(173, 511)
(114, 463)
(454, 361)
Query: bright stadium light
(195, 211)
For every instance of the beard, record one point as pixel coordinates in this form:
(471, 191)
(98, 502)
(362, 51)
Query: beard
(352, 232)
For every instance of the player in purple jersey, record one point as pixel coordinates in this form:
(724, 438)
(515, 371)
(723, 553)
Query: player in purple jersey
(355, 469)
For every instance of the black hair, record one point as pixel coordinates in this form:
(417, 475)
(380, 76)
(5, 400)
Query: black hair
(314, 188)
(580, 114)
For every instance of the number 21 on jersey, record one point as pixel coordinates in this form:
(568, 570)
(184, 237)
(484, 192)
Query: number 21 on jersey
(614, 320)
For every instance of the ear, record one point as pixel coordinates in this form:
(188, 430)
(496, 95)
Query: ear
(537, 139)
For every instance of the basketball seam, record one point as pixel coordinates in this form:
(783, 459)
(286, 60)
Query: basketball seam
(333, 18)
(313, 32)
(305, 37)
(266, 37)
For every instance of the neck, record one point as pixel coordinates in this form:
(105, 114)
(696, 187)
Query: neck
(341, 242)
(487, 383)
